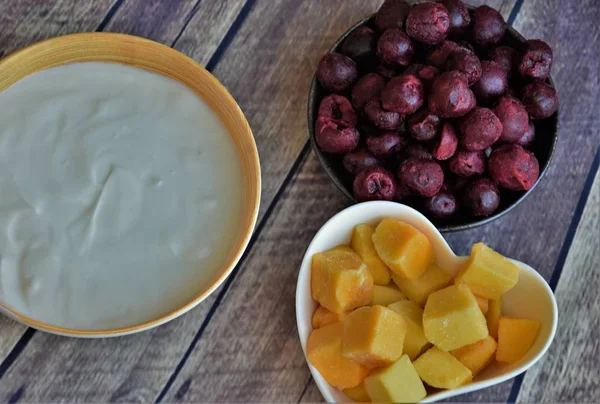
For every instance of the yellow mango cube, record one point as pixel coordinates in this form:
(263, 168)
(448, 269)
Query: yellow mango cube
(340, 281)
(362, 243)
(414, 341)
(403, 248)
(493, 316)
(483, 303)
(419, 289)
(442, 370)
(357, 394)
(476, 356)
(324, 350)
(384, 295)
(373, 336)
(396, 383)
(452, 318)
(323, 317)
(488, 273)
(515, 338)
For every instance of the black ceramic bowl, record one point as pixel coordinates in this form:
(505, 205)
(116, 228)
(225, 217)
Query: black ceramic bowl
(543, 148)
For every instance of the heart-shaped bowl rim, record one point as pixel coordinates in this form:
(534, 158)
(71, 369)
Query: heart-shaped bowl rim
(518, 301)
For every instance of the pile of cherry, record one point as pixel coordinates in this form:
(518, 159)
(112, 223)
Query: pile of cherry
(427, 105)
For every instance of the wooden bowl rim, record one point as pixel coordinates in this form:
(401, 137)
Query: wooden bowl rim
(144, 53)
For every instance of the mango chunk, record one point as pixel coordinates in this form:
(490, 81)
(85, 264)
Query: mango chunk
(488, 273)
(442, 370)
(340, 281)
(414, 341)
(324, 317)
(324, 350)
(396, 383)
(362, 243)
(515, 338)
(493, 316)
(476, 356)
(483, 303)
(452, 318)
(373, 336)
(342, 247)
(384, 295)
(358, 394)
(403, 248)
(419, 289)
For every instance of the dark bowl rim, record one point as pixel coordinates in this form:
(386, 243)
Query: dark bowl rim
(442, 228)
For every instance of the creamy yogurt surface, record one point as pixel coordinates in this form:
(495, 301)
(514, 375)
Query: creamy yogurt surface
(120, 193)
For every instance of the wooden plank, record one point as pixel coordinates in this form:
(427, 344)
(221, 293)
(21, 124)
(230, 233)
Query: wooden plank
(569, 371)
(23, 22)
(62, 366)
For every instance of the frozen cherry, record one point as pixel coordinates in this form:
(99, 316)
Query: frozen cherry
(487, 26)
(366, 88)
(528, 137)
(360, 45)
(385, 145)
(492, 83)
(383, 119)
(423, 72)
(401, 193)
(336, 72)
(335, 137)
(358, 160)
(437, 56)
(450, 96)
(395, 48)
(506, 57)
(465, 62)
(514, 118)
(480, 129)
(513, 167)
(482, 197)
(391, 14)
(467, 163)
(428, 23)
(422, 176)
(536, 61)
(441, 205)
(338, 107)
(374, 183)
(447, 144)
(417, 151)
(403, 94)
(423, 125)
(459, 16)
(540, 99)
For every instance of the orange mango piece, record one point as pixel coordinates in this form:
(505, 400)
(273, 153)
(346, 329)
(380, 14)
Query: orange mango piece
(323, 317)
(452, 318)
(324, 350)
(340, 281)
(419, 289)
(357, 394)
(488, 273)
(476, 356)
(373, 336)
(403, 248)
(515, 338)
(483, 303)
(362, 243)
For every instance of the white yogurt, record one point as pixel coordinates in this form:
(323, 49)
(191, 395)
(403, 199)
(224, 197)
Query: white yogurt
(120, 192)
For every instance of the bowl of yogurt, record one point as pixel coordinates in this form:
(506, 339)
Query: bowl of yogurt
(129, 183)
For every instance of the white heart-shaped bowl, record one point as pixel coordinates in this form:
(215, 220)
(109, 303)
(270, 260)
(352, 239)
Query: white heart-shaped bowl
(530, 298)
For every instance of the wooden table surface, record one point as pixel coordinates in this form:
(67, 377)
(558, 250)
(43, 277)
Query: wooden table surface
(241, 344)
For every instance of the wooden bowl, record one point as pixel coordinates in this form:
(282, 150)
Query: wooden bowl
(543, 148)
(152, 56)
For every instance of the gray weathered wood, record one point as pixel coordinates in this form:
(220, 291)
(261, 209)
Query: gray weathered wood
(569, 371)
